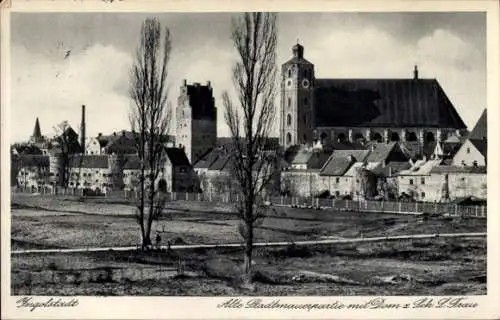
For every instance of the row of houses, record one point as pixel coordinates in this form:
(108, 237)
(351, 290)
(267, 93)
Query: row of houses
(453, 168)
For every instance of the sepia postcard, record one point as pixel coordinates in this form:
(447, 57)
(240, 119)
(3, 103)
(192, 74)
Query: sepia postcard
(268, 160)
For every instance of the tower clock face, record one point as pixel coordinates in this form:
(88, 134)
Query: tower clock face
(305, 83)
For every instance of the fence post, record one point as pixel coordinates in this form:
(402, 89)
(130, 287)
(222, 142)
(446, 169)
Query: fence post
(482, 212)
(281, 200)
(416, 207)
(186, 196)
(399, 207)
(456, 210)
(317, 202)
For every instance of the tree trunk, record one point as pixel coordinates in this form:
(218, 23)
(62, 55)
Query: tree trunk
(248, 254)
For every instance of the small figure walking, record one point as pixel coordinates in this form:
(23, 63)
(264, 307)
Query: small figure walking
(158, 240)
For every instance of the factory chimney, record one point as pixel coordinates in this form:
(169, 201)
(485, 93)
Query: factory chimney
(82, 133)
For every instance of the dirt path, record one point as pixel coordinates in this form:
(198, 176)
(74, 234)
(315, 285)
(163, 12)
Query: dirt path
(264, 244)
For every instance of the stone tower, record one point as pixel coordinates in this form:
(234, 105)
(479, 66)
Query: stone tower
(196, 120)
(297, 94)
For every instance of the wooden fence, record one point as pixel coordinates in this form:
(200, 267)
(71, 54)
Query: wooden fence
(450, 209)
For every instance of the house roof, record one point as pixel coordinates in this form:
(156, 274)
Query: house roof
(383, 103)
(481, 146)
(132, 162)
(458, 169)
(208, 158)
(25, 160)
(336, 166)
(480, 130)
(421, 168)
(380, 151)
(177, 157)
(271, 143)
(26, 149)
(392, 168)
(317, 160)
(89, 161)
(357, 165)
(302, 157)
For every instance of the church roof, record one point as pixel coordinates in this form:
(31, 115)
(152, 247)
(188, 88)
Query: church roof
(37, 133)
(383, 102)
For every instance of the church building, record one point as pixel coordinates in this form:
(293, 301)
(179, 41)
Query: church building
(412, 110)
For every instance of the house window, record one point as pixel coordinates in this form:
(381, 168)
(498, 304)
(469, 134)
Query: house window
(468, 150)
(422, 180)
(357, 180)
(474, 163)
(305, 119)
(411, 181)
(337, 180)
(305, 101)
(289, 102)
(422, 195)
(288, 120)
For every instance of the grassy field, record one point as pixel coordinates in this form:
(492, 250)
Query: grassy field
(47, 222)
(436, 266)
(417, 267)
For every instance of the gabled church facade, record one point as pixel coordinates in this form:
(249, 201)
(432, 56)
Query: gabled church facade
(360, 110)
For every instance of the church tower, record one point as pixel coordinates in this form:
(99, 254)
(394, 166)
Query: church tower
(297, 94)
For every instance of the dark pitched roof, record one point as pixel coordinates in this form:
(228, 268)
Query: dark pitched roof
(89, 161)
(383, 102)
(480, 131)
(132, 162)
(208, 158)
(32, 160)
(122, 144)
(391, 168)
(271, 143)
(337, 166)
(177, 157)
(380, 151)
(481, 146)
(458, 169)
(317, 160)
(27, 149)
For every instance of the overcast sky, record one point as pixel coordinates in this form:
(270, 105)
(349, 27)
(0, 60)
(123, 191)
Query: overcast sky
(448, 46)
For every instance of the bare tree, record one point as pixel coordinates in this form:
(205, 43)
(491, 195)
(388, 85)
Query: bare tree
(250, 120)
(68, 144)
(149, 118)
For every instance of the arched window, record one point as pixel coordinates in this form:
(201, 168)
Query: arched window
(323, 136)
(289, 102)
(288, 120)
(411, 136)
(305, 119)
(359, 137)
(341, 137)
(288, 138)
(429, 137)
(376, 137)
(289, 72)
(162, 185)
(394, 136)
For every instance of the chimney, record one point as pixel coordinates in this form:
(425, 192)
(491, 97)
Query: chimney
(184, 82)
(114, 134)
(415, 73)
(99, 134)
(209, 84)
(82, 138)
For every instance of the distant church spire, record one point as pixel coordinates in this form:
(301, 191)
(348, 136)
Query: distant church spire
(37, 133)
